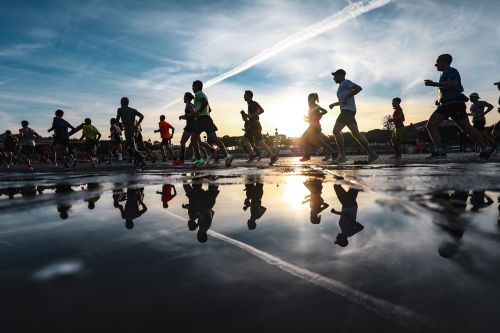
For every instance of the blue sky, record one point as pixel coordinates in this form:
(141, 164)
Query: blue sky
(83, 56)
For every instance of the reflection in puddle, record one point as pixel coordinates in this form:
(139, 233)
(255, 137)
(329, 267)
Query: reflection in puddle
(376, 249)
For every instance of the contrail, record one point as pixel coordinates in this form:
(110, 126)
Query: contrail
(394, 312)
(331, 22)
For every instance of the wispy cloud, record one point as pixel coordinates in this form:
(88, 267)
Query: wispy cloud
(348, 13)
(20, 50)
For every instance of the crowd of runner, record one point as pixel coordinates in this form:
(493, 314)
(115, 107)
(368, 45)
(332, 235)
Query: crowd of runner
(451, 103)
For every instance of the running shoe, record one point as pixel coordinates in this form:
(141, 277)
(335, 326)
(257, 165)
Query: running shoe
(274, 158)
(372, 157)
(208, 158)
(141, 165)
(199, 162)
(229, 160)
(340, 159)
(109, 163)
(251, 157)
(259, 157)
(487, 153)
(436, 155)
(305, 158)
(327, 157)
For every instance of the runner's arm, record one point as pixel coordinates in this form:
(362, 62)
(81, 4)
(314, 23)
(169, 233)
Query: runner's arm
(260, 111)
(51, 128)
(489, 106)
(322, 111)
(447, 84)
(334, 104)
(141, 117)
(98, 136)
(355, 89)
(118, 116)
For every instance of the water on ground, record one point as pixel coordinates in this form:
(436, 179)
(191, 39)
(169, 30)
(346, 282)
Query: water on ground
(291, 248)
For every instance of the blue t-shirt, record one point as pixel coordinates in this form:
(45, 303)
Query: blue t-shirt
(447, 95)
(61, 127)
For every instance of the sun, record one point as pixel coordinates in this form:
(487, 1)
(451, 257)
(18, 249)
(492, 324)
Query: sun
(286, 112)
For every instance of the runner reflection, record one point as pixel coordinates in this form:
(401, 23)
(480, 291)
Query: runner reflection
(206, 214)
(347, 222)
(254, 192)
(316, 202)
(134, 206)
(93, 187)
(168, 192)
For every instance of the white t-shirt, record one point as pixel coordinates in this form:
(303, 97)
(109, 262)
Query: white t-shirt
(345, 87)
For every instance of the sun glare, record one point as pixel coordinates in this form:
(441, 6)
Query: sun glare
(295, 192)
(286, 113)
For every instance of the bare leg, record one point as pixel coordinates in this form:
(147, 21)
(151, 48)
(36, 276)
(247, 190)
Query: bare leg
(433, 129)
(473, 133)
(360, 138)
(195, 145)
(323, 143)
(246, 145)
(212, 137)
(339, 139)
(264, 146)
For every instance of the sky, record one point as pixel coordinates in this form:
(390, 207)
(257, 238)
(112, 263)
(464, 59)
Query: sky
(83, 56)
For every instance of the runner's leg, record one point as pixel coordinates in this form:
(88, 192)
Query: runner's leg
(339, 139)
(433, 129)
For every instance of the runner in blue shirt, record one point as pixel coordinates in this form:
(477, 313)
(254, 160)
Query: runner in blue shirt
(451, 104)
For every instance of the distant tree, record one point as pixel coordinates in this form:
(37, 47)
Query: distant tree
(387, 123)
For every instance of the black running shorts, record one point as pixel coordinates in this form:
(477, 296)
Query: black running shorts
(455, 111)
(205, 124)
(346, 117)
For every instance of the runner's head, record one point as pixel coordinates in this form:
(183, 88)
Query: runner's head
(396, 101)
(312, 98)
(87, 121)
(188, 97)
(443, 62)
(339, 75)
(8, 132)
(162, 118)
(248, 95)
(112, 121)
(197, 86)
(24, 123)
(474, 97)
(59, 113)
(124, 102)
(497, 84)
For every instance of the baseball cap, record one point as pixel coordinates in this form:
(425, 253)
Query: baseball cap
(474, 94)
(339, 71)
(497, 83)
